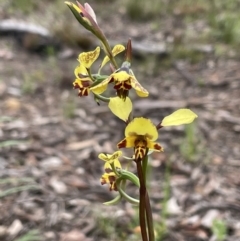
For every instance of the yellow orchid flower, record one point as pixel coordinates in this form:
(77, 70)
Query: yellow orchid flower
(111, 159)
(141, 133)
(109, 177)
(83, 81)
(124, 80)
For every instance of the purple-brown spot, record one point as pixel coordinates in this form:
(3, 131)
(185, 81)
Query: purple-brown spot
(122, 144)
(158, 147)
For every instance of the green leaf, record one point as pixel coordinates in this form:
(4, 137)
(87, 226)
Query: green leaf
(11, 143)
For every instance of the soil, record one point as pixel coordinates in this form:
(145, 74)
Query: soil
(50, 140)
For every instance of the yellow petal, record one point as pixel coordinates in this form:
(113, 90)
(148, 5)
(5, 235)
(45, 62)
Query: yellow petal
(116, 163)
(116, 50)
(80, 70)
(179, 117)
(78, 83)
(154, 146)
(100, 88)
(110, 158)
(121, 76)
(142, 126)
(121, 108)
(127, 142)
(107, 167)
(87, 58)
(103, 157)
(141, 92)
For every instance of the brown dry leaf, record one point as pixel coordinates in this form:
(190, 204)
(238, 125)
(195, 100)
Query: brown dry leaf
(12, 104)
(58, 186)
(212, 185)
(210, 216)
(172, 207)
(73, 235)
(3, 231)
(75, 181)
(74, 146)
(3, 88)
(137, 230)
(193, 221)
(15, 228)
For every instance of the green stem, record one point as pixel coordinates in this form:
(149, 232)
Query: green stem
(124, 194)
(147, 203)
(142, 206)
(149, 219)
(108, 52)
(144, 166)
(114, 201)
(131, 177)
(102, 98)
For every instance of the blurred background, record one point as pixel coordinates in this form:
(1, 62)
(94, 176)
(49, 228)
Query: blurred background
(186, 53)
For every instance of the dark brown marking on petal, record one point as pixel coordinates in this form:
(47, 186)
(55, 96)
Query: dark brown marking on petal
(86, 83)
(111, 80)
(103, 181)
(140, 148)
(127, 85)
(108, 170)
(158, 147)
(112, 181)
(112, 178)
(83, 92)
(114, 186)
(122, 93)
(140, 152)
(76, 86)
(122, 144)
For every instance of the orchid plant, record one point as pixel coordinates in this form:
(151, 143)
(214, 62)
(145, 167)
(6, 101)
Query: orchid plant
(141, 134)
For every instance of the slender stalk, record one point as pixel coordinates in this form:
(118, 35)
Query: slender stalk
(108, 51)
(147, 203)
(102, 98)
(124, 194)
(149, 218)
(142, 199)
